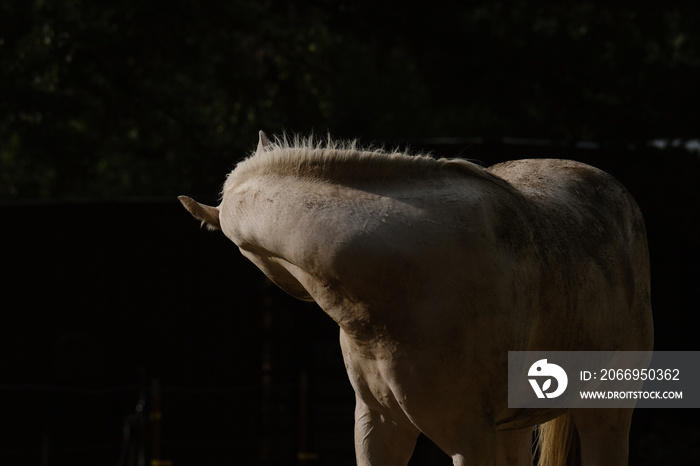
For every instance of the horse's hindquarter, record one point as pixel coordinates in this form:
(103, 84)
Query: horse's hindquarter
(593, 286)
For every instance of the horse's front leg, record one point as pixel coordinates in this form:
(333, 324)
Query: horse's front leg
(380, 440)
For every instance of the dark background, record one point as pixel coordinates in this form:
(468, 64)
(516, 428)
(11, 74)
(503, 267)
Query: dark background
(108, 110)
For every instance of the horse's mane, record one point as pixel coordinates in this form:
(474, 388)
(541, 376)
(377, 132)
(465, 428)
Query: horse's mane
(308, 157)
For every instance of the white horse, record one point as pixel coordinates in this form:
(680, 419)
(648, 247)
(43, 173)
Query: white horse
(434, 270)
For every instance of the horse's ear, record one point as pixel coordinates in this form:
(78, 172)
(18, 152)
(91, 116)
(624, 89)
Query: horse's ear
(263, 141)
(207, 214)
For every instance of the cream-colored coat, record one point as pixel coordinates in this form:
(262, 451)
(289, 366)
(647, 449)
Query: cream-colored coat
(434, 270)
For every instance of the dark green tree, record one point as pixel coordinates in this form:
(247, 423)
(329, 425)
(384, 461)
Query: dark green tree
(107, 99)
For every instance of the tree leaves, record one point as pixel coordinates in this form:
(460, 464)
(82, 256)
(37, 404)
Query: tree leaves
(104, 100)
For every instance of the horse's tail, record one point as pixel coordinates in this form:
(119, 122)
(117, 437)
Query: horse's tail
(558, 442)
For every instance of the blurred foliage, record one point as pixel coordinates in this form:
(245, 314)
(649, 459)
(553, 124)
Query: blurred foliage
(107, 99)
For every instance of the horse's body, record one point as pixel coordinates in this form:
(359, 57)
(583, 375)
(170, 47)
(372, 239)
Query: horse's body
(434, 270)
